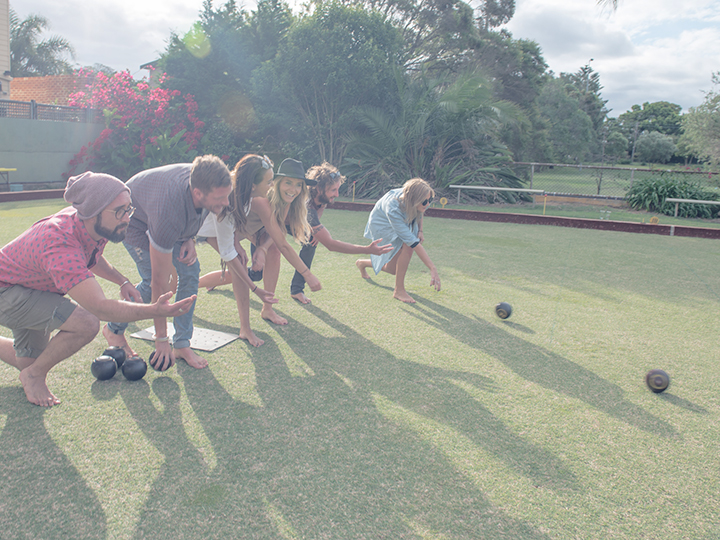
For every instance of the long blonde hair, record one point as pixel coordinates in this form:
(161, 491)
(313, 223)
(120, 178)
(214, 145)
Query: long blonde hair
(297, 213)
(414, 192)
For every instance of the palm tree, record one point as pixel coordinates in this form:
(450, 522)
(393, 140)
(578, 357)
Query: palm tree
(443, 131)
(30, 57)
(609, 3)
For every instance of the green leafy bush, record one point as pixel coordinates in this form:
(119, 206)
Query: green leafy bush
(650, 194)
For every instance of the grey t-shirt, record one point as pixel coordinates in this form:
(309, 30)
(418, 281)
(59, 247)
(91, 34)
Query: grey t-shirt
(164, 208)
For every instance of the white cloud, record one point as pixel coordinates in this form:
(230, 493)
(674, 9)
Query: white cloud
(122, 35)
(660, 51)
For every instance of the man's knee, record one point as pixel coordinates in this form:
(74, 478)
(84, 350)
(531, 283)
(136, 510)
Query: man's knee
(82, 323)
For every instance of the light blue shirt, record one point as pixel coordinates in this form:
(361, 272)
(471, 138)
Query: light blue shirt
(388, 221)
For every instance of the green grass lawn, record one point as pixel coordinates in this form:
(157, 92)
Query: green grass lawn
(368, 418)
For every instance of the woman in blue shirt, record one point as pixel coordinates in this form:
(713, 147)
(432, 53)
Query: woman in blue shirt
(397, 219)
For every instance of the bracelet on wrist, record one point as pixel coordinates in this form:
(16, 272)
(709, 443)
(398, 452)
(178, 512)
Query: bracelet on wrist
(255, 289)
(161, 339)
(124, 283)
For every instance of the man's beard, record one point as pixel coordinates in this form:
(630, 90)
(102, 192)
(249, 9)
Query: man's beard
(322, 198)
(116, 235)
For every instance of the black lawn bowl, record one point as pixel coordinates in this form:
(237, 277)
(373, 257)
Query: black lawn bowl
(657, 380)
(503, 310)
(103, 368)
(134, 369)
(118, 353)
(157, 366)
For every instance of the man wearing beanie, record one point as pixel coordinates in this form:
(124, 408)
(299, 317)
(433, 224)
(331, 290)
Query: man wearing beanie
(61, 255)
(171, 204)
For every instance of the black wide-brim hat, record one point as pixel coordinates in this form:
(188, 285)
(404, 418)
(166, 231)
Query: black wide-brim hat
(292, 168)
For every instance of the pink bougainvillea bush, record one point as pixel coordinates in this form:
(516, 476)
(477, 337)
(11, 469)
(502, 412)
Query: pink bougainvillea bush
(145, 127)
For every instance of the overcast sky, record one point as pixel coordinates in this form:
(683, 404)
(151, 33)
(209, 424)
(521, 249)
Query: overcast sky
(647, 50)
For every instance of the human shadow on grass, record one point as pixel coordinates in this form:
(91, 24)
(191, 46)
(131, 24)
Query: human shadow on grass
(316, 460)
(541, 366)
(434, 393)
(42, 495)
(184, 496)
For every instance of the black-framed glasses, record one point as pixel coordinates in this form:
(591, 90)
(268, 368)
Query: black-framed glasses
(128, 211)
(427, 201)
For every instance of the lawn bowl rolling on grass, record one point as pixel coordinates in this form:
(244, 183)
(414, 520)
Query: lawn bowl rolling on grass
(503, 310)
(369, 418)
(657, 380)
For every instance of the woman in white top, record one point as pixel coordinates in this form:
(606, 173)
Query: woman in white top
(258, 213)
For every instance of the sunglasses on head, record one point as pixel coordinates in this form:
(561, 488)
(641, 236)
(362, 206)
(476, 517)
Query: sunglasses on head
(266, 163)
(334, 175)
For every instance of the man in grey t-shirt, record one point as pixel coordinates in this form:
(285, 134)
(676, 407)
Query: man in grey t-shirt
(171, 203)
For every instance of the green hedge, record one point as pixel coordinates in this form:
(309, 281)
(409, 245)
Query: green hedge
(650, 195)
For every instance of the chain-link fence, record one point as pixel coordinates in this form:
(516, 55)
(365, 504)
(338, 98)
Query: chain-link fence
(610, 182)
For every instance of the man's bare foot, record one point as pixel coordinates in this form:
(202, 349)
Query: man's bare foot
(117, 340)
(403, 296)
(300, 297)
(251, 338)
(268, 313)
(360, 263)
(191, 357)
(36, 390)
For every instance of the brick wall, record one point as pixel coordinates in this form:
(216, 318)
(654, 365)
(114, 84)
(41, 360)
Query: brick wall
(51, 90)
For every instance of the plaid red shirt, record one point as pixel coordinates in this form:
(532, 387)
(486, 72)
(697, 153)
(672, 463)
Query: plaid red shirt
(53, 255)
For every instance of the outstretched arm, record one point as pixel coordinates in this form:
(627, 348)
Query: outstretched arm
(278, 236)
(323, 236)
(90, 296)
(425, 258)
(107, 271)
(240, 270)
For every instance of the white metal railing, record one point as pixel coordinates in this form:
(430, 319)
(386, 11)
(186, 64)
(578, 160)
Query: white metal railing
(492, 188)
(690, 201)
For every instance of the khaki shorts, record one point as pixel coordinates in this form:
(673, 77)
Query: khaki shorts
(32, 316)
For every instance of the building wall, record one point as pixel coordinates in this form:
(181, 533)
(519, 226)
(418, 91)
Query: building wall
(5, 49)
(41, 151)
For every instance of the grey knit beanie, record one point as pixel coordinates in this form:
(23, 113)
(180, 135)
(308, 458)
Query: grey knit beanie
(90, 193)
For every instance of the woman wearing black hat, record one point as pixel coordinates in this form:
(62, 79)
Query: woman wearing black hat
(258, 211)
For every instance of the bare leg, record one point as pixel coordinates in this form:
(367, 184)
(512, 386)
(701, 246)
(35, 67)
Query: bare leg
(191, 357)
(7, 355)
(117, 340)
(362, 265)
(215, 279)
(271, 273)
(402, 261)
(79, 330)
(242, 298)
